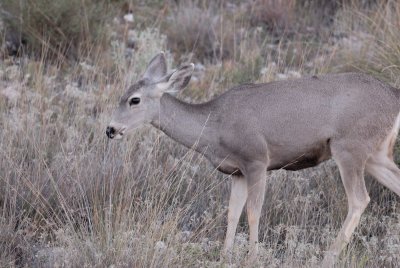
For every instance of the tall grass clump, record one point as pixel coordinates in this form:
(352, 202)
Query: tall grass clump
(275, 15)
(207, 30)
(70, 197)
(60, 27)
(372, 42)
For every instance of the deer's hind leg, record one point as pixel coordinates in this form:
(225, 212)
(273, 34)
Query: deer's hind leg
(351, 161)
(381, 165)
(256, 181)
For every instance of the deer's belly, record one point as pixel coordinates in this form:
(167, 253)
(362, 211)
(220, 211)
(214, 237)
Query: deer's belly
(226, 166)
(308, 157)
(229, 170)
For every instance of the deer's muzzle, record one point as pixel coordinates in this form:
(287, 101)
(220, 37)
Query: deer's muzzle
(110, 132)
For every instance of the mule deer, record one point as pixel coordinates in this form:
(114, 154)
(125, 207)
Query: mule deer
(294, 124)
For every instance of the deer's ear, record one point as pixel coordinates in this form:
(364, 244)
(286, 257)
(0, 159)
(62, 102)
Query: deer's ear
(157, 68)
(176, 81)
(181, 77)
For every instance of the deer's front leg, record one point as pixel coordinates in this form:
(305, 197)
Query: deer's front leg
(236, 204)
(256, 180)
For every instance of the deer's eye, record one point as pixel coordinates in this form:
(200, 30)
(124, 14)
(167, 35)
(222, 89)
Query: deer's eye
(134, 101)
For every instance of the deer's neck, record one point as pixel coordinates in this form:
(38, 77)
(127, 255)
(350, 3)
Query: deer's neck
(185, 123)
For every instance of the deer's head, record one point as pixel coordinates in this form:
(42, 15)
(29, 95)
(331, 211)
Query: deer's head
(141, 102)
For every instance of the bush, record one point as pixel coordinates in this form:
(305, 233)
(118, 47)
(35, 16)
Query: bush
(372, 40)
(59, 27)
(203, 30)
(275, 15)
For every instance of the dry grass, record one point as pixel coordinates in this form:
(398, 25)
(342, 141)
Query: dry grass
(71, 198)
(57, 28)
(276, 15)
(204, 30)
(372, 41)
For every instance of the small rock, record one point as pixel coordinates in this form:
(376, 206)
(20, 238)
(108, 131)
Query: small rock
(160, 246)
(198, 73)
(294, 74)
(129, 18)
(263, 70)
(86, 67)
(12, 72)
(11, 94)
(117, 21)
(281, 76)
(269, 69)
(50, 257)
(184, 236)
(194, 79)
(74, 92)
(199, 67)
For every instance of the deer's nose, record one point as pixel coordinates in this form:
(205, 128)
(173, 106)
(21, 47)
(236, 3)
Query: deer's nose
(110, 131)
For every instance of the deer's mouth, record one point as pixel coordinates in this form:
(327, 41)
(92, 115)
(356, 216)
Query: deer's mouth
(114, 133)
(118, 136)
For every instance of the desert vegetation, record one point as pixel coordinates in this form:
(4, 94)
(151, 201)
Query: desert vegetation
(69, 197)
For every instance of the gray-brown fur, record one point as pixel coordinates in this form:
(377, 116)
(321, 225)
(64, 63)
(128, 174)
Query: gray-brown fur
(283, 123)
(291, 124)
